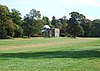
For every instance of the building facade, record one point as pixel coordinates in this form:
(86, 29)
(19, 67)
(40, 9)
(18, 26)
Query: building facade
(50, 32)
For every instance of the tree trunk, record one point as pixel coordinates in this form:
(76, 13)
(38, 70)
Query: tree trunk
(29, 36)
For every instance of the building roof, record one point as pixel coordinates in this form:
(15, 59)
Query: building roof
(46, 27)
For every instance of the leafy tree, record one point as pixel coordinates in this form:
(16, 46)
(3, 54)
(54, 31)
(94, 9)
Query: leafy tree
(54, 21)
(96, 28)
(6, 25)
(32, 24)
(10, 27)
(46, 21)
(34, 14)
(16, 17)
(58, 24)
(27, 26)
(37, 27)
(64, 24)
(87, 26)
(74, 28)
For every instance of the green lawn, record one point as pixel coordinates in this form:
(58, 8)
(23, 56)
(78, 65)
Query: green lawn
(50, 54)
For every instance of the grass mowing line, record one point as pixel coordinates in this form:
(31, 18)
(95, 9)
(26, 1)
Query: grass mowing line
(67, 42)
(31, 41)
(32, 45)
(14, 42)
(59, 57)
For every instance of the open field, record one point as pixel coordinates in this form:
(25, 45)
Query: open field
(50, 54)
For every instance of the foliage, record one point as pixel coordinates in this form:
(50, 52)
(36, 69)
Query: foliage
(34, 14)
(16, 17)
(54, 21)
(13, 25)
(96, 28)
(74, 27)
(7, 26)
(32, 25)
(64, 24)
(46, 21)
(87, 26)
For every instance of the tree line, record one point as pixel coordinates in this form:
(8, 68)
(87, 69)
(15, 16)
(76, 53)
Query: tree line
(13, 25)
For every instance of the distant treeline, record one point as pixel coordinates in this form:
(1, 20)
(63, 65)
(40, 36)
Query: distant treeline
(13, 25)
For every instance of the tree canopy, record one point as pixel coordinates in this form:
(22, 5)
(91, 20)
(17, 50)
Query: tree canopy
(13, 25)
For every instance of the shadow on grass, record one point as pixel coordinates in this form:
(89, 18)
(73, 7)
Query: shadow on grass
(53, 54)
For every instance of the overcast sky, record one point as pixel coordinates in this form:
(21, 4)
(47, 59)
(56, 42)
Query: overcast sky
(58, 8)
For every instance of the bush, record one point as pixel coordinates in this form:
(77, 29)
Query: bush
(7, 37)
(63, 34)
(25, 37)
(68, 35)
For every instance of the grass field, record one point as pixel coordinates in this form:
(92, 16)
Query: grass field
(50, 54)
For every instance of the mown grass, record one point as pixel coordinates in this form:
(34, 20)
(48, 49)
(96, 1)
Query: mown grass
(22, 41)
(81, 54)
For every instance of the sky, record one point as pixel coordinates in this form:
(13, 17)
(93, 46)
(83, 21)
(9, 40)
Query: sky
(57, 8)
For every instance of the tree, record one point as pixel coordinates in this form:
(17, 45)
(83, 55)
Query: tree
(34, 14)
(64, 24)
(10, 27)
(16, 17)
(87, 26)
(58, 24)
(32, 23)
(27, 26)
(46, 21)
(96, 28)
(54, 21)
(74, 28)
(37, 27)
(7, 27)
